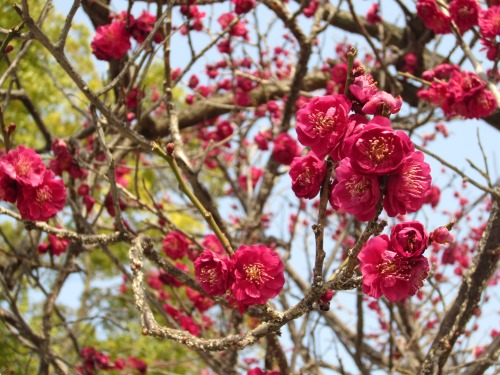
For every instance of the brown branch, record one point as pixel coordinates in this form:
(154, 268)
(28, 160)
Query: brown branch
(468, 297)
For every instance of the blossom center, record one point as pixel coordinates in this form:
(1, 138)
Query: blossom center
(398, 268)
(43, 195)
(255, 274)
(22, 167)
(208, 276)
(378, 149)
(324, 124)
(357, 187)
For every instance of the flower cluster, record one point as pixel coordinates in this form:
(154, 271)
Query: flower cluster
(394, 266)
(367, 152)
(112, 41)
(252, 276)
(94, 362)
(25, 180)
(458, 93)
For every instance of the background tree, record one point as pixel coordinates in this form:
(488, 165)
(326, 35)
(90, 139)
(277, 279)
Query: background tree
(246, 187)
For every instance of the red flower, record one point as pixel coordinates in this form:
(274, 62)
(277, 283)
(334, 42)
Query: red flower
(363, 88)
(258, 275)
(24, 166)
(8, 188)
(409, 239)
(111, 41)
(243, 6)
(378, 150)
(200, 301)
(373, 15)
(387, 273)
(433, 17)
(406, 190)
(307, 173)
(322, 122)
(175, 245)
(134, 97)
(255, 175)
(57, 245)
(213, 272)
(211, 242)
(489, 22)
(442, 236)
(141, 27)
(44, 201)
(464, 13)
(432, 196)
(239, 29)
(383, 103)
(285, 149)
(355, 193)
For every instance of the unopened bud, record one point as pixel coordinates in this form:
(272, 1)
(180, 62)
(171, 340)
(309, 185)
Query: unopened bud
(8, 49)
(170, 148)
(11, 129)
(441, 235)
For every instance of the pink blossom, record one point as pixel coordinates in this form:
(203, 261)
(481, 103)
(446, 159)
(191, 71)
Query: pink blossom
(307, 174)
(373, 14)
(442, 236)
(409, 239)
(491, 48)
(8, 188)
(255, 175)
(311, 8)
(200, 301)
(355, 193)
(406, 189)
(258, 275)
(24, 166)
(432, 196)
(383, 103)
(433, 17)
(134, 97)
(387, 273)
(213, 272)
(211, 242)
(489, 22)
(142, 27)
(322, 122)
(57, 245)
(175, 245)
(363, 88)
(464, 13)
(243, 6)
(259, 371)
(262, 140)
(239, 29)
(44, 201)
(111, 41)
(378, 150)
(285, 149)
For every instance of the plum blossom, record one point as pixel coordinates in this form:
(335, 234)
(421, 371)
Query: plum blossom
(409, 239)
(383, 103)
(378, 150)
(213, 272)
(406, 189)
(111, 41)
(307, 173)
(285, 149)
(322, 122)
(24, 166)
(258, 275)
(355, 193)
(433, 17)
(175, 245)
(43, 201)
(387, 273)
(464, 13)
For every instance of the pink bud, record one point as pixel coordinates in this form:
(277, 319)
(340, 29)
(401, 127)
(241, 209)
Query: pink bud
(441, 235)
